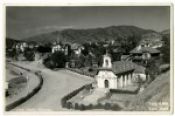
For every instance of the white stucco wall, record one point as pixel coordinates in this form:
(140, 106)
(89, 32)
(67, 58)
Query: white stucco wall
(139, 75)
(106, 75)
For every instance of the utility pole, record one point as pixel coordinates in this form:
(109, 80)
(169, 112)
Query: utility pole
(27, 84)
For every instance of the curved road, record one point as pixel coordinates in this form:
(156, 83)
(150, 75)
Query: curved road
(56, 85)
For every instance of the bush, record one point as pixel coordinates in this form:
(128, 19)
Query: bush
(90, 106)
(115, 107)
(123, 91)
(63, 102)
(49, 64)
(99, 106)
(29, 54)
(107, 106)
(90, 69)
(56, 60)
(69, 105)
(82, 107)
(76, 106)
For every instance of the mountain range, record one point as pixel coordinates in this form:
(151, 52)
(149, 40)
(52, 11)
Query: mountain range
(91, 35)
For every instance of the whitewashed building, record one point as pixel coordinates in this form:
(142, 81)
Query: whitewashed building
(119, 74)
(56, 48)
(77, 48)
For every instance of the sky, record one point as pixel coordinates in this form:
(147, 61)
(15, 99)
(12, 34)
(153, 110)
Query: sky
(23, 22)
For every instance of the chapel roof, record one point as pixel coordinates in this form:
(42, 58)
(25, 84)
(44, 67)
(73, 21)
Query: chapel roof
(125, 66)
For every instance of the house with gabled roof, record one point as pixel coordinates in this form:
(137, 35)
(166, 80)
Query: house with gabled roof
(141, 53)
(77, 48)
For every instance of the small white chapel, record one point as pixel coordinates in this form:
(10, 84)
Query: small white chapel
(114, 76)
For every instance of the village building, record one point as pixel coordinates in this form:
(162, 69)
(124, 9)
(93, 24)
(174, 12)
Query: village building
(142, 53)
(119, 74)
(67, 50)
(77, 48)
(32, 45)
(56, 48)
(21, 46)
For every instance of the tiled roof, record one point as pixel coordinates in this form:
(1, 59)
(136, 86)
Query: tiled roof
(145, 49)
(124, 66)
(75, 46)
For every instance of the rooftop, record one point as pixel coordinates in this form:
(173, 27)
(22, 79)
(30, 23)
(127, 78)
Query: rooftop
(75, 46)
(145, 49)
(124, 66)
(119, 67)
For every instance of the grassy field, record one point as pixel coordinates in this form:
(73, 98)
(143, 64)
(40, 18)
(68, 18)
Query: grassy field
(16, 82)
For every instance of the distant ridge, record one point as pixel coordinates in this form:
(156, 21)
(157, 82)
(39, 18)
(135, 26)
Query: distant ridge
(165, 32)
(90, 35)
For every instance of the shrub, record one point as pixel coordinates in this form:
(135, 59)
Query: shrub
(90, 69)
(29, 54)
(48, 63)
(90, 106)
(56, 60)
(82, 107)
(76, 106)
(99, 106)
(69, 105)
(107, 106)
(63, 102)
(115, 107)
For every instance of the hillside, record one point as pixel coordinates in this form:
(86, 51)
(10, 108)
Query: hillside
(158, 91)
(165, 32)
(93, 35)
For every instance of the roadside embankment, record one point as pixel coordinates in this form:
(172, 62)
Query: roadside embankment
(34, 84)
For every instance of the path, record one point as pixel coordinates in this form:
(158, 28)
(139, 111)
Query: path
(56, 85)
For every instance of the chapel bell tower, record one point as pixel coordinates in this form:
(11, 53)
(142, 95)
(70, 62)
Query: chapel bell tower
(107, 61)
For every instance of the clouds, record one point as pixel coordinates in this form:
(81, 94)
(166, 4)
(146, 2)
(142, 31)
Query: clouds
(23, 22)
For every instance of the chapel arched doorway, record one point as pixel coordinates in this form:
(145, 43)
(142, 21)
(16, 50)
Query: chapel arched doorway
(106, 84)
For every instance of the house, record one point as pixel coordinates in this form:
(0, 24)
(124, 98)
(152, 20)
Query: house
(56, 48)
(77, 48)
(142, 53)
(21, 46)
(32, 45)
(119, 74)
(152, 44)
(67, 49)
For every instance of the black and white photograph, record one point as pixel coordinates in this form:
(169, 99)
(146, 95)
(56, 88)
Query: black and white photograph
(88, 58)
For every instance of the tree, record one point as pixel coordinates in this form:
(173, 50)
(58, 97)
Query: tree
(59, 59)
(152, 68)
(56, 60)
(44, 49)
(29, 54)
(166, 48)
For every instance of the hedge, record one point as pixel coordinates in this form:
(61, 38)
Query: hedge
(70, 95)
(124, 91)
(82, 107)
(81, 72)
(25, 98)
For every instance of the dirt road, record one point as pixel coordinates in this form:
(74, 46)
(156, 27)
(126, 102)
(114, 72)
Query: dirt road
(56, 85)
